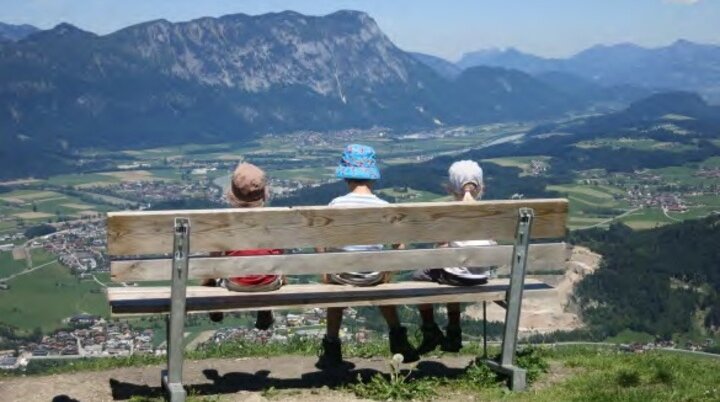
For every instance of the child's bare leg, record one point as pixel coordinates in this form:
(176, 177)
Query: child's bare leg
(453, 310)
(453, 332)
(426, 314)
(334, 321)
(390, 315)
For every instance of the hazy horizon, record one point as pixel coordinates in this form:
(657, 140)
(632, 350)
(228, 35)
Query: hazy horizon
(556, 28)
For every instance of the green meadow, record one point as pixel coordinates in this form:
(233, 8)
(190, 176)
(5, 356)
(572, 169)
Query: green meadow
(44, 297)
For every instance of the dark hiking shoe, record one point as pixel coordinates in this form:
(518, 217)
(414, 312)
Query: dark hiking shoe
(453, 339)
(432, 337)
(264, 320)
(399, 344)
(214, 316)
(331, 355)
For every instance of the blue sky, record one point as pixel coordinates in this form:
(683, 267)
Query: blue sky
(445, 28)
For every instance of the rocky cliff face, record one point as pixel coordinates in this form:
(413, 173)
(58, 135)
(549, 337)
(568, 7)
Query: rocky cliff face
(210, 78)
(330, 55)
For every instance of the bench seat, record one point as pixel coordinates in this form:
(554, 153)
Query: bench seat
(153, 300)
(184, 245)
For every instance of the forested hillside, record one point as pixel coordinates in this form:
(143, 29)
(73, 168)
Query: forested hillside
(661, 281)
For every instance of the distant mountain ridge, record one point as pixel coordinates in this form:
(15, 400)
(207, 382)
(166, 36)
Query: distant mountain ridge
(13, 33)
(507, 58)
(232, 78)
(682, 65)
(443, 67)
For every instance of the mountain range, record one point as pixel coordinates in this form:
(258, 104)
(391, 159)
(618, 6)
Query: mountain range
(235, 77)
(682, 65)
(10, 32)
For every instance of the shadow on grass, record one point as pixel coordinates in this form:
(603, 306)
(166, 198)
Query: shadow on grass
(234, 382)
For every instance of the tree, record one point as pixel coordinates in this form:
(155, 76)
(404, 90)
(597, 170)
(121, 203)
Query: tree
(39, 230)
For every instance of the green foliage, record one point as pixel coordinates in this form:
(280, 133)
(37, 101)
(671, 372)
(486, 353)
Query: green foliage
(653, 281)
(609, 375)
(478, 376)
(243, 348)
(39, 230)
(398, 386)
(534, 360)
(663, 375)
(627, 378)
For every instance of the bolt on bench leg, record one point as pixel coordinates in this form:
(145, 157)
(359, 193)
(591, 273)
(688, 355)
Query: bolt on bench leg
(172, 377)
(517, 375)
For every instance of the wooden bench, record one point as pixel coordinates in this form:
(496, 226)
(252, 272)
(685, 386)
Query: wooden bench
(174, 245)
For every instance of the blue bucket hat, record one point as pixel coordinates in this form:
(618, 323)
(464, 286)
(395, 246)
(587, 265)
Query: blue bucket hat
(358, 162)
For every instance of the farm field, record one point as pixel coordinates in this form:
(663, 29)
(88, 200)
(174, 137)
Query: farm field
(412, 195)
(591, 204)
(42, 298)
(642, 144)
(10, 266)
(304, 174)
(520, 162)
(647, 218)
(81, 180)
(39, 205)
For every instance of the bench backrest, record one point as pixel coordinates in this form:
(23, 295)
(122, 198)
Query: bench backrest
(139, 242)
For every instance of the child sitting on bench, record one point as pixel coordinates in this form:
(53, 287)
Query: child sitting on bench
(248, 189)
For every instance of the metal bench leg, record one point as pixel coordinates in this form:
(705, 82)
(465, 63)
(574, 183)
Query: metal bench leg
(517, 375)
(485, 355)
(172, 377)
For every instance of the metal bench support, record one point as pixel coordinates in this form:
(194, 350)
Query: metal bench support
(506, 366)
(172, 377)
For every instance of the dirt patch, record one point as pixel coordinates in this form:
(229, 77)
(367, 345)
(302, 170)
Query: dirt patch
(19, 253)
(556, 310)
(282, 378)
(33, 215)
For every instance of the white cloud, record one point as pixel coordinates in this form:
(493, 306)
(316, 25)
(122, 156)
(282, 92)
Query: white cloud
(686, 2)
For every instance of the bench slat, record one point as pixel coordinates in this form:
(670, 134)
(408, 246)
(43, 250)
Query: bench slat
(150, 232)
(541, 257)
(153, 300)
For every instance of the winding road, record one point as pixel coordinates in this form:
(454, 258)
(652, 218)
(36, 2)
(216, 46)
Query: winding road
(606, 221)
(27, 271)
